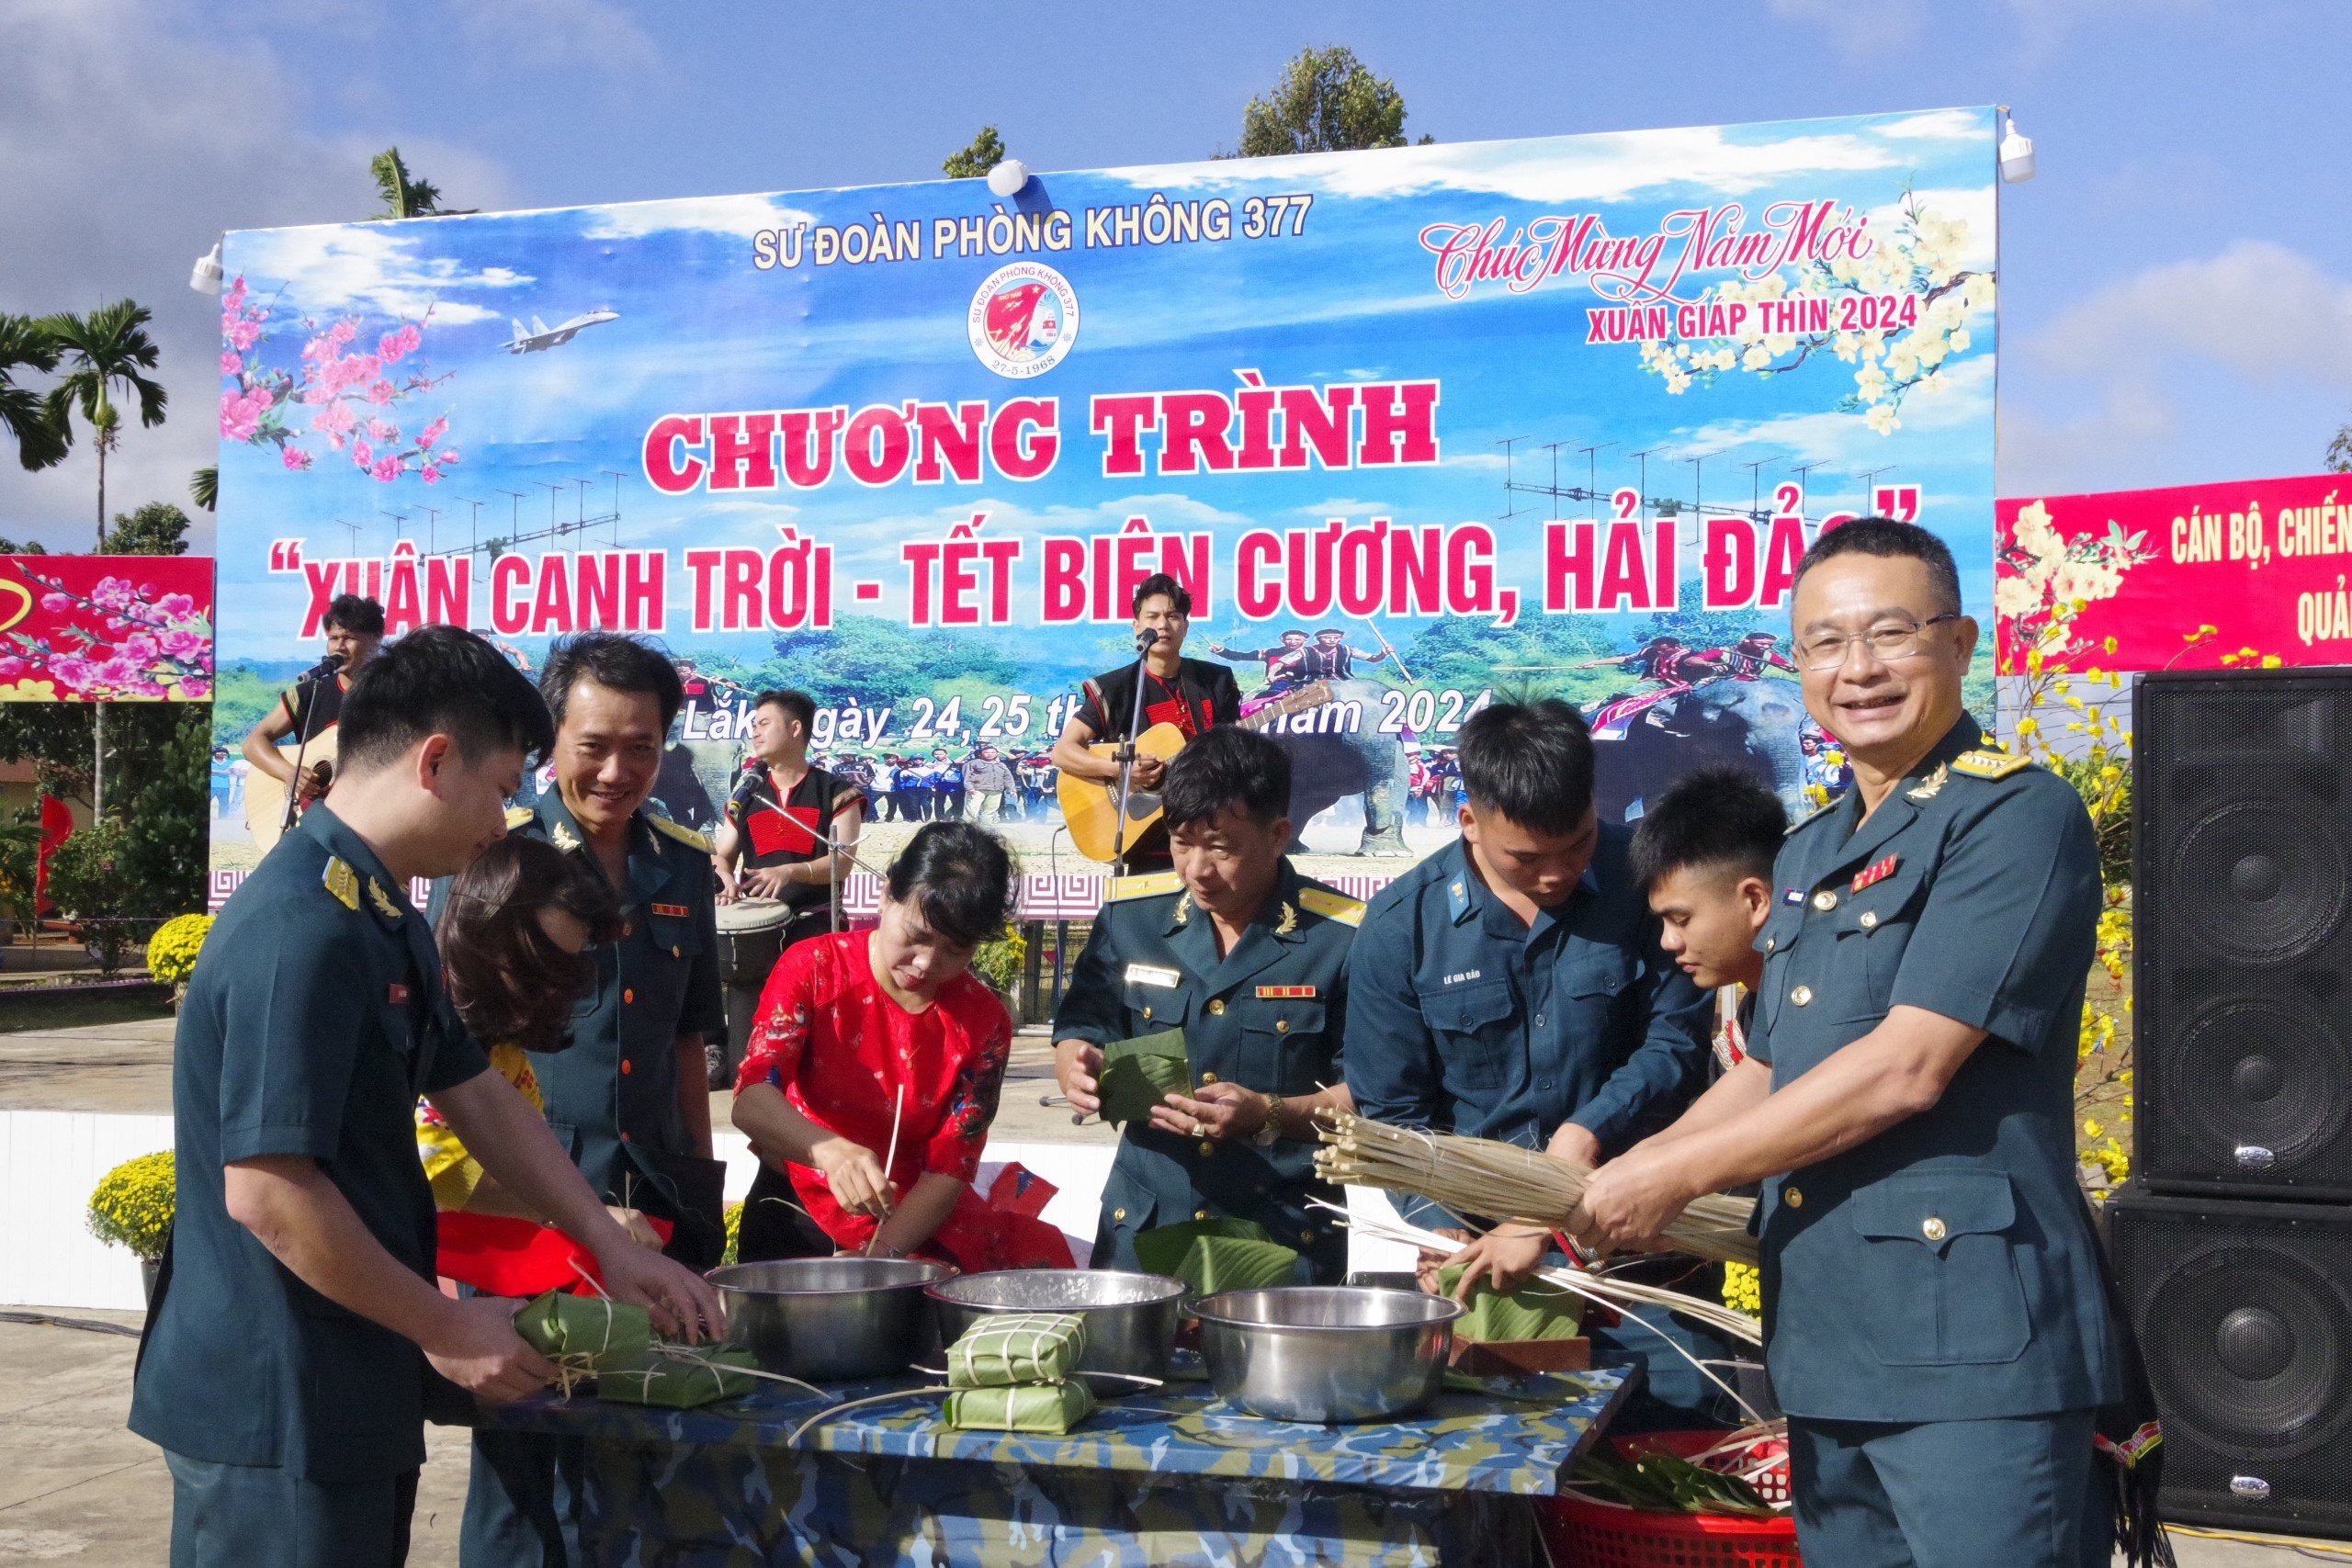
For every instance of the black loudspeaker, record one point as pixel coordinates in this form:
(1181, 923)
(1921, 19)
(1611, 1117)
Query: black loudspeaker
(2242, 912)
(2243, 1312)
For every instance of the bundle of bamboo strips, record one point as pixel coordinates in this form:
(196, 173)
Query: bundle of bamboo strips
(1478, 1176)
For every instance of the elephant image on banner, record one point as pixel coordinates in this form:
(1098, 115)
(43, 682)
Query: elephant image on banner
(1751, 725)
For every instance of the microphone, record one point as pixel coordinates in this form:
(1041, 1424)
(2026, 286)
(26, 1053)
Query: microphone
(322, 668)
(1146, 639)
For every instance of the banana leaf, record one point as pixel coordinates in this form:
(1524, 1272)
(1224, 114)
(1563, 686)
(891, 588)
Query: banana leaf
(997, 1352)
(589, 1326)
(1534, 1311)
(703, 1376)
(1137, 1073)
(1216, 1255)
(1049, 1408)
(1663, 1484)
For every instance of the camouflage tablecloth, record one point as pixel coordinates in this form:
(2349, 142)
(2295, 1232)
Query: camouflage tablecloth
(889, 1483)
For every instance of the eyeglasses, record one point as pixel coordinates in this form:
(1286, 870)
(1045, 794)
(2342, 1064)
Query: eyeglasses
(1896, 637)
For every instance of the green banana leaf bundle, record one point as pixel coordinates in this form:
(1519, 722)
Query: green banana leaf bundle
(1662, 1484)
(1216, 1255)
(997, 1352)
(1534, 1311)
(676, 1379)
(1048, 1407)
(1137, 1073)
(590, 1328)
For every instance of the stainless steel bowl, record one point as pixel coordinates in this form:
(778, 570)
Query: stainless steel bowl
(1327, 1353)
(1130, 1318)
(831, 1319)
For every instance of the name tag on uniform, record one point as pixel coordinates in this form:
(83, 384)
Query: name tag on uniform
(1267, 993)
(1152, 975)
(1793, 896)
(672, 911)
(1877, 872)
(398, 995)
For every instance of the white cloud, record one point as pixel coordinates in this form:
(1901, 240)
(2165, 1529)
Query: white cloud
(1557, 170)
(1937, 125)
(375, 267)
(565, 35)
(2268, 312)
(741, 215)
(2109, 447)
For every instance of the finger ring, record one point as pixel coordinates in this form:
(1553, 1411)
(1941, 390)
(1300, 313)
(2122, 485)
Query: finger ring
(1200, 1128)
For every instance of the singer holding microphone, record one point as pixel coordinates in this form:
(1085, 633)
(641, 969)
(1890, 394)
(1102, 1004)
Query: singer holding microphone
(1191, 694)
(309, 711)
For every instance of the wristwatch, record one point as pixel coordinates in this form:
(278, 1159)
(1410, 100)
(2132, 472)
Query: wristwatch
(1270, 1131)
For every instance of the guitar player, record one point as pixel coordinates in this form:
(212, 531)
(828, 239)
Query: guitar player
(353, 629)
(1191, 694)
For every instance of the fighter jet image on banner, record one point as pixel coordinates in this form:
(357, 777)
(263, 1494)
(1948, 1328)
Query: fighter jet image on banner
(543, 337)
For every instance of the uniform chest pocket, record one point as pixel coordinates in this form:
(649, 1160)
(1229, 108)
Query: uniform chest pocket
(1599, 977)
(1873, 928)
(1283, 1048)
(674, 938)
(1152, 1006)
(1475, 1039)
(1938, 1282)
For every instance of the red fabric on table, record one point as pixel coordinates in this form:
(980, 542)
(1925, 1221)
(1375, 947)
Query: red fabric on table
(502, 1256)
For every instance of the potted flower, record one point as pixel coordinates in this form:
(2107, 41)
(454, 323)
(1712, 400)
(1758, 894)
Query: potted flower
(172, 951)
(131, 1207)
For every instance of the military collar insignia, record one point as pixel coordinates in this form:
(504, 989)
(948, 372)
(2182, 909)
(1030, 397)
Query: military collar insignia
(384, 901)
(1289, 921)
(1929, 788)
(1184, 908)
(563, 838)
(344, 883)
(1876, 872)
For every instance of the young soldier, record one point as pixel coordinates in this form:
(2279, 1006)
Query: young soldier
(1248, 959)
(1704, 854)
(1935, 1316)
(284, 1372)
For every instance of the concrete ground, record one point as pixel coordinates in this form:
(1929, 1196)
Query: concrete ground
(77, 1488)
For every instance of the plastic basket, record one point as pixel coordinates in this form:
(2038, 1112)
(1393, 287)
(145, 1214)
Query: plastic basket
(1585, 1534)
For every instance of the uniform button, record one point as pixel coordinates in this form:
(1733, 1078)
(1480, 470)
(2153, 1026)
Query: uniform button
(1538, 1020)
(1770, 943)
(1306, 1233)
(1870, 920)
(1118, 1214)
(677, 952)
(1207, 1147)
(1146, 1009)
(1792, 1197)
(1825, 899)
(1801, 996)
(1932, 1228)
(1216, 1010)
(626, 1068)
(629, 927)
(1208, 1077)
(628, 996)
(1282, 1026)
(1200, 1214)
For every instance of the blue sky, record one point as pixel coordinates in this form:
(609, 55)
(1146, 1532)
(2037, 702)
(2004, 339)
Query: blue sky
(2175, 306)
(1351, 299)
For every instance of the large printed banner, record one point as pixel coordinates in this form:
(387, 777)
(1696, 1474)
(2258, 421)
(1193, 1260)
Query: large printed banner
(106, 628)
(1417, 427)
(2191, 578)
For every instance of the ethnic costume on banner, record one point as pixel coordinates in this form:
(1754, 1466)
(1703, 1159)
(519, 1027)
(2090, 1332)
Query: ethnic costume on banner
(920, 1085)
(294, 1426)
(1269, 1014)
(1957, 1243)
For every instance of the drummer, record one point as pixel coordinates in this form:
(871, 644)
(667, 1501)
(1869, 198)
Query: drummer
(872, 1076)
(791, 826)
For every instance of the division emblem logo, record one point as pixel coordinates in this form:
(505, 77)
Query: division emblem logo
(1023, 319)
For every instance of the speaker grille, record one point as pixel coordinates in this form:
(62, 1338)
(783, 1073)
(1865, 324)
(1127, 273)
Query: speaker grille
(2244, 1319)
(2243, 922)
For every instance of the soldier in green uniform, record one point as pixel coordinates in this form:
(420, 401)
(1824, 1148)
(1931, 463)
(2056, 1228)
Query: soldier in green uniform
(1935, 1323)
(1248, 959)
(285, 1365)
(629, 1099)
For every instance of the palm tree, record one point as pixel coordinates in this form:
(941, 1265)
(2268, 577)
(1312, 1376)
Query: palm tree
(204, 487)
(105, 349)
(24, 347)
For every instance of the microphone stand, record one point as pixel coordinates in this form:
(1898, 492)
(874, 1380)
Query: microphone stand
(330, 667)
(1125, 755)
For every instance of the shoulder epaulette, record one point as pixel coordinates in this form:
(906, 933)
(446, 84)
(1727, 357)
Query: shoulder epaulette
(1332, 905)
(519, 817)
(687, 836)
(1989, 764)
(1144, 887)
(342, 882)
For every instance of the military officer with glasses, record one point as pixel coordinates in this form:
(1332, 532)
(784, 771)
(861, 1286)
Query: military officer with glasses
(1935, 1320)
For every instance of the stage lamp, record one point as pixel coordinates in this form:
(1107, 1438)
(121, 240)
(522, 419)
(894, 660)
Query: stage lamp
(1007, 178)
(2016, 153)
(206, 278)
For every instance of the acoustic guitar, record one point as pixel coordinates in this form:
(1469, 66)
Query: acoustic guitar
(1091, 808)
(266, 797)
